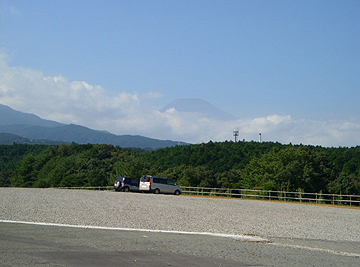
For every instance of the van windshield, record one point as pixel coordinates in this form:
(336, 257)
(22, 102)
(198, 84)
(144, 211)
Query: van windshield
(145, 179)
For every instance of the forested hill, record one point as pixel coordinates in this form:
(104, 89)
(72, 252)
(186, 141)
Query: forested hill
(250, 165)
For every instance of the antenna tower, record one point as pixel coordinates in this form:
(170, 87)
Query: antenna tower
(236, 133)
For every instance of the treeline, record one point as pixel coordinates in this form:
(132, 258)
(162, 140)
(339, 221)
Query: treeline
(250, 165)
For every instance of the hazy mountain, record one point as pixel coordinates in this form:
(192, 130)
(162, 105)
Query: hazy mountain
(37, 130)
(200, 106)
(9, 139)
(9, 116)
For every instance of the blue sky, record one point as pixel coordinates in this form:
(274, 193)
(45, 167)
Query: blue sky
(297, 60)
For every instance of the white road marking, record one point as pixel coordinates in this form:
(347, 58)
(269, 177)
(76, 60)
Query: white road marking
(343, 253)
(239, 237)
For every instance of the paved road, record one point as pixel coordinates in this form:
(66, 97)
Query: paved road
(49, 246)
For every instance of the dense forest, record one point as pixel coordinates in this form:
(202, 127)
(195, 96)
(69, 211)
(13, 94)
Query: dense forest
(250, 165)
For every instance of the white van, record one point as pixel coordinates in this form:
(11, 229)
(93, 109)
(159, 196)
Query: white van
(158, 185)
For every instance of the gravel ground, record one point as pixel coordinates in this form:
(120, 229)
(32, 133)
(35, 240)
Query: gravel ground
(182, 213)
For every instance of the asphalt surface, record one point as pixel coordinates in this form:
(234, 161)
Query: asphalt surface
(49, 246)
(102, 228)
(180, 213)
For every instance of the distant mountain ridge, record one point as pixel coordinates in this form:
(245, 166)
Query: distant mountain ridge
(10, 116)
(200, 106)
(9, 139)
(29, 128)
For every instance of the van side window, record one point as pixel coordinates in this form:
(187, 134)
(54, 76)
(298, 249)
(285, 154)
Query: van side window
(170, 182)
(157, 180)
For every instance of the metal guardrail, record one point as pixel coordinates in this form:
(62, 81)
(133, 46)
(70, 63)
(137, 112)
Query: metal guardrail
(316, 198)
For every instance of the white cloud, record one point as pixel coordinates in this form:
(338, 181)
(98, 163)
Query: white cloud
(79, 102)
(266, 124)
(59, 99)
(286, 130)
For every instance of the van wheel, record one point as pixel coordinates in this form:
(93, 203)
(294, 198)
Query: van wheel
(126, 189)
(177, 192)
(157, 191)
